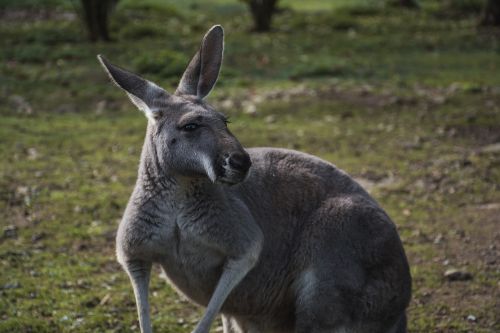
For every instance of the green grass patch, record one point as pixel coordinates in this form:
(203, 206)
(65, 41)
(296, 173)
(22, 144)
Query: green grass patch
(405, 100)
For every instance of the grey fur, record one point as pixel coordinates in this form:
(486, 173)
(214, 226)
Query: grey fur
(290, 244)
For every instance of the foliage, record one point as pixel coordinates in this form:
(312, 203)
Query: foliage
(141, 30)
(151, 7)
(410, 4)
(465, 6)
(33, 3)
(165, 63)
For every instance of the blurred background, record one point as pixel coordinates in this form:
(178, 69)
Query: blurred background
(404, 95)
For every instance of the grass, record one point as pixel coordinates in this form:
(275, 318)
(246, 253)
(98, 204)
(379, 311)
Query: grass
(404, 101)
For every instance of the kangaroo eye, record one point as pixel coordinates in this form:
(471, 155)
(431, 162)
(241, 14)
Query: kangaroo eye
(190, 127)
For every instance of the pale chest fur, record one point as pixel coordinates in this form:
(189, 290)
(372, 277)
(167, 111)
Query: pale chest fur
(171, 239)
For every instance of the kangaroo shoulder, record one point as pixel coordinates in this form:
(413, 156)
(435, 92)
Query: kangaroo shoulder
(290, 163)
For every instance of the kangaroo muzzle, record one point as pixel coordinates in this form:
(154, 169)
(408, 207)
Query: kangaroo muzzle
(235, 167)
(239, 161)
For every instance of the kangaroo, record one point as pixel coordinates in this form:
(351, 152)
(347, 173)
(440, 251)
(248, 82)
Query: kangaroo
(275, 240)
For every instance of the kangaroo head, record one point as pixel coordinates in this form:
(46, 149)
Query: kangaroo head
(187, 135)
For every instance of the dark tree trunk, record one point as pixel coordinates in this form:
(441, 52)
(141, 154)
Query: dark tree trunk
(95, 16)
(491, 14)
(409, 3)
(262, 13)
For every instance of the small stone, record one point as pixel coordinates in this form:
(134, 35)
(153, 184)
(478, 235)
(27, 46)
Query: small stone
(493, 148)
(101, 107)
(257, 99)
(489, 206)
(270, 119)
(32, 153)
(329, 118)
(227, 104)
(471, 318)
(454, 274)
(438, 239)
(22, 191)
(11, 285)
(249, 108)
(105, 299)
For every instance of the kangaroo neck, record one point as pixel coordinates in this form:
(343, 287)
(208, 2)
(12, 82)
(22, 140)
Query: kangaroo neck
(156, 181)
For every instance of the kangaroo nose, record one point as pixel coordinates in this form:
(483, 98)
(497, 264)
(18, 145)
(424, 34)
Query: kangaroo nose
(240, 161)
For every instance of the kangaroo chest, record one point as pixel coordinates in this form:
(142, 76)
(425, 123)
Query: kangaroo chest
(189, 264)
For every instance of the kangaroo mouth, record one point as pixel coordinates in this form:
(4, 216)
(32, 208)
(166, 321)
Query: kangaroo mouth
(233, 170)
(231, 176)
(232, 167)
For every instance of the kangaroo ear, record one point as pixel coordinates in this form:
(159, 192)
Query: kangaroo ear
(203, 70)
(141, 92)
